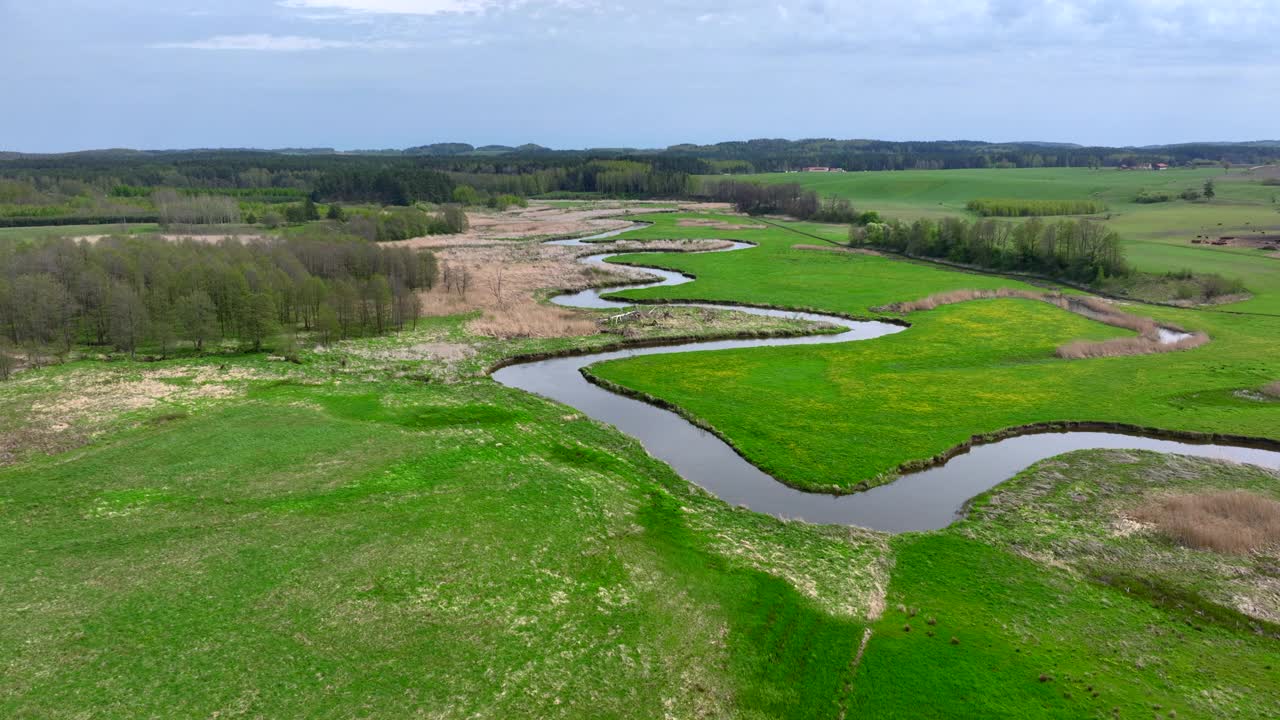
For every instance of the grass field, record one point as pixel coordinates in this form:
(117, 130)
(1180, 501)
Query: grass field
(299, 546)
(19, 233)
(375, 534)
(1158, 236)
(844, 414)
(306, 548)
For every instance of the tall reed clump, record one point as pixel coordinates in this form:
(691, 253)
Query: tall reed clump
(1235, 522)
(1147, 342)
(1118, 347)
(531, 321)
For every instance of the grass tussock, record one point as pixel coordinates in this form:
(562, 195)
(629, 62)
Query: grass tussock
(1120, 347)
(1272, 389)
(1234, 522)
(531, 321)
(1147, 342)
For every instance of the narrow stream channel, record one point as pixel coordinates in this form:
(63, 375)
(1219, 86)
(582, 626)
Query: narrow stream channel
(925, 500)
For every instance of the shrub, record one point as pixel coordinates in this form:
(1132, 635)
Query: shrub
(466, 195)
(1147, 197)
(455, 218)
(1190, 194)
(1234, 522)
(1214, 286)
(503, 202)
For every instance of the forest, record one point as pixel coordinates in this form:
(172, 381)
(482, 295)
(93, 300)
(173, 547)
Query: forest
(782, 199)
(129, 292)
(119, 185)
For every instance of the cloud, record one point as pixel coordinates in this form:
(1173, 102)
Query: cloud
(278, 43)
(394, 7)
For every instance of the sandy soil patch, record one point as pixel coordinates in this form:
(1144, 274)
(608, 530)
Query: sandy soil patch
(81, 404)
(1262, 240)
(542, 221)
(175, 237)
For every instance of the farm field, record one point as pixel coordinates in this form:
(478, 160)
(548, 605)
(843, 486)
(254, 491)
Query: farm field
(1158, 235)
(959, 371)
(20, 233)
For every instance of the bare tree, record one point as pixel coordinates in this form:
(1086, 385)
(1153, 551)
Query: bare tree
(496, 287)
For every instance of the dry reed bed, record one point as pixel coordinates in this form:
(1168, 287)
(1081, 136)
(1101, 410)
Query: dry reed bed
(1148, 341)
(505, 281)
(1235, 522)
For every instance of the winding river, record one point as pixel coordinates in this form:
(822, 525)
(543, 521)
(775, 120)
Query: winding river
(925, 500)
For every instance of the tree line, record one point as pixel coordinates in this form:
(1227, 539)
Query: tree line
(781, 199)
(137, 292)
(1034, 208)
(1075, 250)
(385, 186)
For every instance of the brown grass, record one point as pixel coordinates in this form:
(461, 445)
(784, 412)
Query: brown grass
(541, 221)
(1119, 347)
(1147, 342)
(1272, 389)
(532, 321)
(1234, 522)
(505, 281)
(839, 249)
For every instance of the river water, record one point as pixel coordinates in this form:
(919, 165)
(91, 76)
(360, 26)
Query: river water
(925, 500)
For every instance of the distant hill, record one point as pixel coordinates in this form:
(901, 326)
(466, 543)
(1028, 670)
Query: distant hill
(441, 149)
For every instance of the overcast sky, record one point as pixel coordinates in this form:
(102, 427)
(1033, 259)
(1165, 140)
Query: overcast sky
(639, 73)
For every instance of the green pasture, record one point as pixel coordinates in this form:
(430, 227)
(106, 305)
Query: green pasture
(399, 550)
(310, 548)
(44, 231)
(851, 413)
(1157, 236)
(359, 537)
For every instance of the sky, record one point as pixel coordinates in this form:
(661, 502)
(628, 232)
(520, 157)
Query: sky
(364, 74)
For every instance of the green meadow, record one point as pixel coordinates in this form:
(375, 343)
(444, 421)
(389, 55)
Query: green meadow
(310, 548)
(1158, 236)
(959, 371)
(363, 535)
(297, 546)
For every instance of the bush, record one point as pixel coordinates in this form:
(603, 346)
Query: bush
(503, 202)
(1147, 197)
(466, 195)
(1216, 286)
(454, 218)
(1190, 194)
